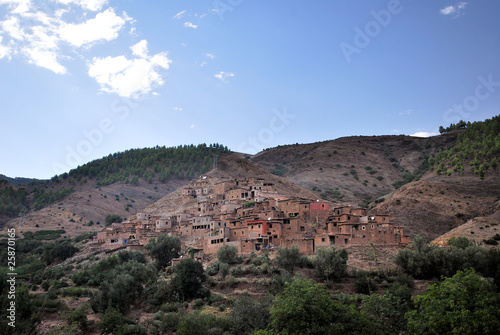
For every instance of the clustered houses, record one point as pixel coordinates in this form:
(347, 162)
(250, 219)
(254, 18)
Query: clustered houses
(251, 215)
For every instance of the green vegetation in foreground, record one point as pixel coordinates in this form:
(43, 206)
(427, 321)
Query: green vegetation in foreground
(464, 296)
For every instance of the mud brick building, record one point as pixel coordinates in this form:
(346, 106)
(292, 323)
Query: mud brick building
(251, 215)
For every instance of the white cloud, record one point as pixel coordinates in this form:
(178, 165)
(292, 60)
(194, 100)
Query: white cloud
(209, 55)
(17, 6)
(12, 27)
(190, 25)
(40, 35)
(179, 15)
(203, 64)
(140, 49)
(423, 134)
(105, 26)
(177, 109)
(454, 9)
(192, 126)
(92, 5)
(45, 58)
(4, 50)
(128, 78)
(223, 76)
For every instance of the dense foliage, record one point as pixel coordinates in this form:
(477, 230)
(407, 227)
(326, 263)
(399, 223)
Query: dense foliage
(163, 249)
(182, 299)
(426, 261)
(12, 201)
(464, 304)
(42, 198)
(478, 148)
(331, 263)
(185, 161)
(227, 254)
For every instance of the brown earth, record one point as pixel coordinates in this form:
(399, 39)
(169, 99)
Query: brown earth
(88, 203)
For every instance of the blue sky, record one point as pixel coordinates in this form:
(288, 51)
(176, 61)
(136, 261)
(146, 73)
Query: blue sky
(82, 79)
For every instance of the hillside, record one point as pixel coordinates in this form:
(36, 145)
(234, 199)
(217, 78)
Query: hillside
(121, 183)
(230, 167)
(420, 182)
(355, 169)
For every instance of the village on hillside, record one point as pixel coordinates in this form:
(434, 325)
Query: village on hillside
(251, 215)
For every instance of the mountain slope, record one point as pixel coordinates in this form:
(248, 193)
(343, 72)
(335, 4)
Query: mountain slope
(230, 167)
(121, 183)
(354, 169)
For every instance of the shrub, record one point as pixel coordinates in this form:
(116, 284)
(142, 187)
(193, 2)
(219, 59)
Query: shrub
(223, 270)
(249, 314)
(112, 218)
(288, 259)
(365, 284)
(304, 307)
(164, 249)
(189, 276)
(197, 323)
(330, 263)
(464, 304)
(227, 254)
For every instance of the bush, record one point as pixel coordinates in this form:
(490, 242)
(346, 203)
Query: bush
(365, 284)
(227, 254)
(164, 249)
(288, 259)
(112, 321)
(213, 269)
(330, 263)
(249, 314)
(464, 304)
(197, 323)
(79, 317)
(112, 218)
(166, 321)
(189, 276)
(304, 307)
(223, 270)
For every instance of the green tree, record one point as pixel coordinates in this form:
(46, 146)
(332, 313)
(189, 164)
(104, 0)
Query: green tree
(464, 304)
(304, 307)
(112, 321)
(112, 218)
(288, 259)
(124, 287)
(249, 314)
(386, 313)
(189, 276)
(227, 254)
(330, 263)
(164, 249)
